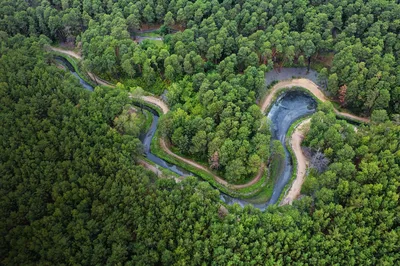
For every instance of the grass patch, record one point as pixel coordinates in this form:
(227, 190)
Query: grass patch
(158, 43)
(148, 121)
(166, 173)
(156, 89)
(266, 191)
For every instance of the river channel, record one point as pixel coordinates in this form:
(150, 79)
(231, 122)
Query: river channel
(288, 108)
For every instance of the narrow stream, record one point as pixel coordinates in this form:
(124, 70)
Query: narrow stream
(146, 140)
(61, 60)
(289, 107)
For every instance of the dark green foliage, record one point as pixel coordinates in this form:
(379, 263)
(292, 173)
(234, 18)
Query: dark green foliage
(218, 119)
(362, 34)
(64, 168)
(71, 191)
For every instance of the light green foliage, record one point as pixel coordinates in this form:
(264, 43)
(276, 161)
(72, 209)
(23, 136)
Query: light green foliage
(71, 192)
(131, 122)
(229, 122)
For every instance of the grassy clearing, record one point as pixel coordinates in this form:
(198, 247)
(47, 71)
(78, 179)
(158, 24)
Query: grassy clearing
(166, 173)
(156, 89)
(158, 43)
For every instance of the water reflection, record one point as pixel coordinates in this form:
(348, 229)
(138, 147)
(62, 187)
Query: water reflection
(286, 110)
(64, 62)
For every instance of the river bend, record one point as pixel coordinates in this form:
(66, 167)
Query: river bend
(289, 107)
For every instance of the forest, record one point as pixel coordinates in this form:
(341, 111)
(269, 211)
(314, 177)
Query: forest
(73, 189)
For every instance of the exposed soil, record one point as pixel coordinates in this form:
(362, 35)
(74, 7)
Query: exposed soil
(221, 181)
(296, 138)
(310, 86)
(155, 169)
(67, 52)
(302, 162)
(158, 102)
(95, 78)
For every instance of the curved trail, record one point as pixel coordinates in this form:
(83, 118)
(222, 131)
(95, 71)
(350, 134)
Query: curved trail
(95, 78)
(164, 146)
(310, 86)
(67, 52)
(295, 141)
(302, 82)
(156, 101)
(221, 181)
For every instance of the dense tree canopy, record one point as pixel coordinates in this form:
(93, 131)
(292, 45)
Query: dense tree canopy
(72, 190)
(363, 35)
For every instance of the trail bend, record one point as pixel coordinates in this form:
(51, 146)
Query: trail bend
(311, 87)
(75, 55)
(264, 105)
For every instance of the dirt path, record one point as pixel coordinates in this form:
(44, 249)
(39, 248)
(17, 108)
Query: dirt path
(158, 102)
(155, 170)
(295, 141)
(221, 181)
(100, 81)
(164, 146)
(310, 86)
(150, 167)
(67, 52)
(95, 78)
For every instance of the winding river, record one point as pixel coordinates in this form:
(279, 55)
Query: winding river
(289, 107)
(146, 140)
(61, 60)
